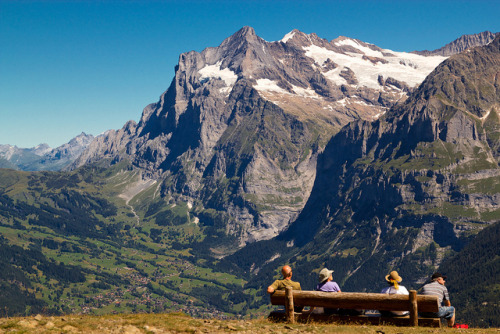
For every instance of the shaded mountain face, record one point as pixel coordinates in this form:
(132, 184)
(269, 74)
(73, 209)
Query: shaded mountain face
(474, 271)
(238, 132)
(42, 157)
(401, 192)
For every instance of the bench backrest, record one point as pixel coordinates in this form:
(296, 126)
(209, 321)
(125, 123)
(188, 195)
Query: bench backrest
(355, 300)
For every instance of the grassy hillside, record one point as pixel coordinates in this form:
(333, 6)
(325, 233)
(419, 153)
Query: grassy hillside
(69, 243)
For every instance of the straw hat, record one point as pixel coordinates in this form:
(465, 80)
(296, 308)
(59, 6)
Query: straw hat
(394, 276)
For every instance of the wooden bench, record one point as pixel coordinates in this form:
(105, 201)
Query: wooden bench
(362, 301)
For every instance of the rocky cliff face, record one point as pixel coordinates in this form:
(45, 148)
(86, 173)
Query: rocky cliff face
(403, 190)
(461, 44)
(238, 132)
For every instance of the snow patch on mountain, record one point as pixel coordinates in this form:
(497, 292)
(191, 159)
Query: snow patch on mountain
(305, 92)
(362, 49)
(215, 71)
(266, 85)
(369, 64)
(288, 36)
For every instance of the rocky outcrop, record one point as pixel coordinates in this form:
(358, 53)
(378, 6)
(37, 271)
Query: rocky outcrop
(461, 44)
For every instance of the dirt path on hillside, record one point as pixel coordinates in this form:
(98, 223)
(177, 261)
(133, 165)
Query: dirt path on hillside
(134, 189)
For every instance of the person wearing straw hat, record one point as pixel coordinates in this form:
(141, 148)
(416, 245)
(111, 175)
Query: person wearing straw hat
(393, 279)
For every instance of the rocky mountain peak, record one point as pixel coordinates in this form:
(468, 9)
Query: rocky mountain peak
(299, 38)
(247, 33)
(81, 139)
(241, 126)
(41, 149)
(462, 43)
(243, 42)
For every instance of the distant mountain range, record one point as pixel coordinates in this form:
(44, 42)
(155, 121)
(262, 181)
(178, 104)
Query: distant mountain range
(302, 151)
(42, 157)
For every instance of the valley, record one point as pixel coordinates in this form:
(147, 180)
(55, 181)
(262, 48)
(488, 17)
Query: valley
(106, 264)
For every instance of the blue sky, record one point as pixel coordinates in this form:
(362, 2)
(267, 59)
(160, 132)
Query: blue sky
(73, 66)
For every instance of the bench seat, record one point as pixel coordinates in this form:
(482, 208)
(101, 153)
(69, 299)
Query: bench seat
(362, 301)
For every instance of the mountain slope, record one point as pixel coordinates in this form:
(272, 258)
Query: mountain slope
(238, 132)
(403, 192)
(473, 279)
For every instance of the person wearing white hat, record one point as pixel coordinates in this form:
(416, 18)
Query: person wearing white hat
(393, 279)
(326, 282)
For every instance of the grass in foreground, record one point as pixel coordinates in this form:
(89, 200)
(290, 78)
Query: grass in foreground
(180, 323)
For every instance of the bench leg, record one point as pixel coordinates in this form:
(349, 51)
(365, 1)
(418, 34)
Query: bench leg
(413, 308)
(290, 313)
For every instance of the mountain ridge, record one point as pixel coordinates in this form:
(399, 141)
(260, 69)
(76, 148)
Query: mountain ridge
(405, 190)
(212, 101)
(43, 157)
(462, 43)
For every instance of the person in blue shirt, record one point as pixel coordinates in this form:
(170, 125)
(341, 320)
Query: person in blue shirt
(326, 282)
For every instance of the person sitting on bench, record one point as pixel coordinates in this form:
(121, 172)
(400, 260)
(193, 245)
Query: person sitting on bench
(393, 279)
(281, 284)
(436, 287)
(327, 284)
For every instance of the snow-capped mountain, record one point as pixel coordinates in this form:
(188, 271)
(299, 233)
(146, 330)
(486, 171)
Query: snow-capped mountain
(352, 65)
(404, 191)
(239, 129)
